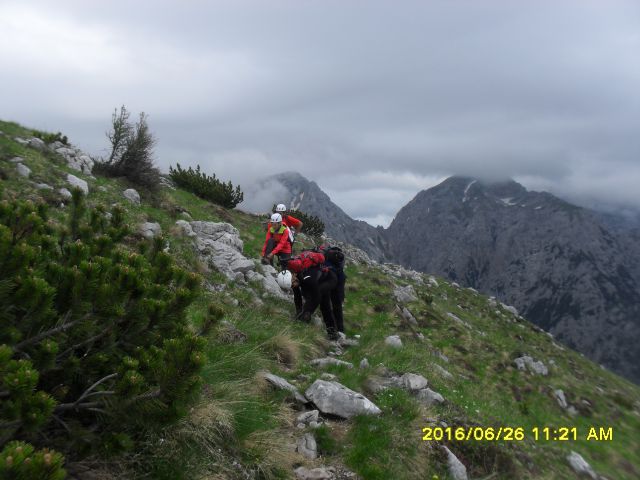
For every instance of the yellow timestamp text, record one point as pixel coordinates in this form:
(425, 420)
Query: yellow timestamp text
(517, 434)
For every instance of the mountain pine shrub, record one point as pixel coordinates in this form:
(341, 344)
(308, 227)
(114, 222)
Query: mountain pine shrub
(207, 187)
(313, 226)
(94, 340)
(131, 151)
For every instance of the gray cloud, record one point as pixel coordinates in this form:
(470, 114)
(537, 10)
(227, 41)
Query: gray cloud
(374, 100)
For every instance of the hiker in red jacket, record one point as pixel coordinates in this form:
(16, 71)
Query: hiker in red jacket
(318, 284)
(277, 242)
(288, 220)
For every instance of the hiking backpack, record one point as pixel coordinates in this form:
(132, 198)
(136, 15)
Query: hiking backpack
(333, 255)
(307, 259)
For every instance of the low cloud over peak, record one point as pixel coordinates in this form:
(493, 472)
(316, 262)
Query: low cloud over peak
(371, 100)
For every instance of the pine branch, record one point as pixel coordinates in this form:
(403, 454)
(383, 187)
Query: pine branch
(87, 405)
(48, 333)
(84, 342)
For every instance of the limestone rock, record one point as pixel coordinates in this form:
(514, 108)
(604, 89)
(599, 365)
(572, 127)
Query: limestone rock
(413, 382)
(405, 294)
(429, 397)
(323, 362)
(303, 473)
(364, 363)
(580, 466)
(132, 195)
(562, 401)
(307, 417)
(528, 363)
(78, 183)
(64, 193)
(186, 228)
(150, 229)
(16, 160)
(336, 399)
(393, 341)
(74, 157)
(307, 446)
(23, 170)
(282, 384)
(456, 469)
(43, 186)
(442, 371)
(36, 143)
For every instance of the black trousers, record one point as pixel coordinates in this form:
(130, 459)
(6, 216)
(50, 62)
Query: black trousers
(319, 288)
(337, 299)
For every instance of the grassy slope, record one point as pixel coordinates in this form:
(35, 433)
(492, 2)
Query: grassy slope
(242, 426)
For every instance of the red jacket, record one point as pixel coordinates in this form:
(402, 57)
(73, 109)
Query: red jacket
(290, 221)
(283, 245)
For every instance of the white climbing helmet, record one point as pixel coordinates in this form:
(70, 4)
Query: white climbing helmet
(281, 207)
(284, 279)
(276, 217)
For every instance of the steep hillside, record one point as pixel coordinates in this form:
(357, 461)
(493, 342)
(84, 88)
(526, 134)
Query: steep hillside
(428, 353)
(557, 263)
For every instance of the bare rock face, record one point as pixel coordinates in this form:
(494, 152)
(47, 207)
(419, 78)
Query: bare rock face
(219, 246)
(75, 158)
(335, 399)
(572, 271)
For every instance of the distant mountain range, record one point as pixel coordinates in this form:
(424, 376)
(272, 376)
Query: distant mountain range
(572, 271)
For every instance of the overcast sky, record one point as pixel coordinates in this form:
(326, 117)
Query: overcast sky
(373, 100)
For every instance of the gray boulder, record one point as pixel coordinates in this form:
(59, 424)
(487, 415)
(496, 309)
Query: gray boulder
(393, 341)
(580, 466)
(37, 143)
(16, 160)
(43, 186)
(323, 362)
(429, 397)
(528, 363)
(560, 398)
(76, 182)
(132, 195)
(336, 399)
(303, 473)
(150, 229)
(307, 446)
(64, 193)
(442, 371)
(457, 470)
(405, 294)
(23, 170)
(413, 382)
(74, 157)
(282, 384)
(307, 417)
